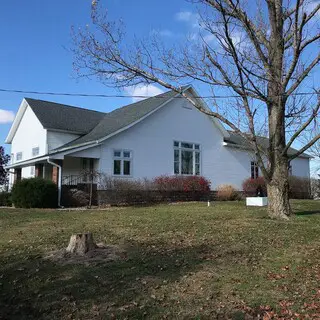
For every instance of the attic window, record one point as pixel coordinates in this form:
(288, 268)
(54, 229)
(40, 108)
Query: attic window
(35, 151)
(19, 156)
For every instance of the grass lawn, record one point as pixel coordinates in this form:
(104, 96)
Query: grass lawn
(185, 261)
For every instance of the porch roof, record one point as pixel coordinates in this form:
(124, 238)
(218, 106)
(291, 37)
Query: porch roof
(28, 162)
(236, 140)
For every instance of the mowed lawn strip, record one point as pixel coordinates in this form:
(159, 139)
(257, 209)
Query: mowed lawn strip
(183, 261)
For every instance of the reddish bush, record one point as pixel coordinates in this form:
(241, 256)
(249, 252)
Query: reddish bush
(252, 186)
(226, 192)
(299, 188)
(182, 183)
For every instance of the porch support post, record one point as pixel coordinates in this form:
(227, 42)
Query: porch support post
(38, 170)
(57, 176)
(17, 175)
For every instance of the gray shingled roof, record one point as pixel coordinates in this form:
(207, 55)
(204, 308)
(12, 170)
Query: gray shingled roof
(120, 118)
(237, 140)
(58, 116)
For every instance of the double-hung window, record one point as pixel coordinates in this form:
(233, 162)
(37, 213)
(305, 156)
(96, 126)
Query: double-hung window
(19, 156)
(122, 160)
(186, 158)
(35, 151)
(254, 170)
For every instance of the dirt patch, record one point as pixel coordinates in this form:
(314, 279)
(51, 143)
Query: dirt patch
(102, 253)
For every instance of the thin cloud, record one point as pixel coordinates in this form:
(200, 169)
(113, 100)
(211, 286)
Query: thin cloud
(188, 17)
(6, 116)
(164, 33)
(143, 91)
(184, 16)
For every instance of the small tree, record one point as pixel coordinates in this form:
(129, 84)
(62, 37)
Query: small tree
(4, 160)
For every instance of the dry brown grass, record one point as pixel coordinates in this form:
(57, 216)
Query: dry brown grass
(186, 261)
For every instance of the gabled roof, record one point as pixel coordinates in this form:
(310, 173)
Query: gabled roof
(237, 140)
(121, 118)
(62, 117)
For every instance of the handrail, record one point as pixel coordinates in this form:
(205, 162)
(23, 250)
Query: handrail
(73, 180)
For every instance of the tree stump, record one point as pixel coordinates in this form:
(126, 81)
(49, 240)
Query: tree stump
(81, 243)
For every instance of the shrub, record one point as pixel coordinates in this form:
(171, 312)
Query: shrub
(226, 192)
(121, 191)
(299, 188)
(178, 183)
(74, 197)
(252, 186)
(35, 193)
(106, 182)
(315, 188)
(5, 199)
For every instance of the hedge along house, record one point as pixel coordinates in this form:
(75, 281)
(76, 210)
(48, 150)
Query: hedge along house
(162, 135)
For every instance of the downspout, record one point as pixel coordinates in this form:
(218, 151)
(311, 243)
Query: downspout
(59, 179)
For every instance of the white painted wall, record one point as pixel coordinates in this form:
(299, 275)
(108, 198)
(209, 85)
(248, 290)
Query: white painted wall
(151, 143)
(57, 139)
(301, 167)
(30, 134)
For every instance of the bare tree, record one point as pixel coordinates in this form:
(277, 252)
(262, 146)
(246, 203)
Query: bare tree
(261, 58)
(314, 150)
(4, 160)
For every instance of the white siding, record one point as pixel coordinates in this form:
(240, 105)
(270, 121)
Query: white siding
(151, 143)
(30, 134)
(301, 167)
(57, 139)
(93, 152)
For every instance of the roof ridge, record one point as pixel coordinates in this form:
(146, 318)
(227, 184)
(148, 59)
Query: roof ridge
(140, 101)
(64, 105)
(108, 126)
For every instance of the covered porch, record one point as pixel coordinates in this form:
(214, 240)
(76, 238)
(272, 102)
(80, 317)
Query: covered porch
(70, 171)
(79, 170)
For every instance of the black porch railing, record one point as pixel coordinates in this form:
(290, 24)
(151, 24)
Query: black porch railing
(74, 180)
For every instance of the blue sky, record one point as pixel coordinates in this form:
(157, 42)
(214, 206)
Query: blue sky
(36, 35)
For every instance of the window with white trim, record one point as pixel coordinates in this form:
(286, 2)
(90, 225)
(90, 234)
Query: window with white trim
(35, 151)
(19, 156)
(254, 170)
(32, 171)
(186, 158)
(122, 161)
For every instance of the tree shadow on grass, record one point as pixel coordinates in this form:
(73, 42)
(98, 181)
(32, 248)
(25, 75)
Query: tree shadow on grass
(33, 288)
(307, 212)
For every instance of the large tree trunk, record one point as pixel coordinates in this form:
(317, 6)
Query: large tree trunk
(278, 193)
(277, 182)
